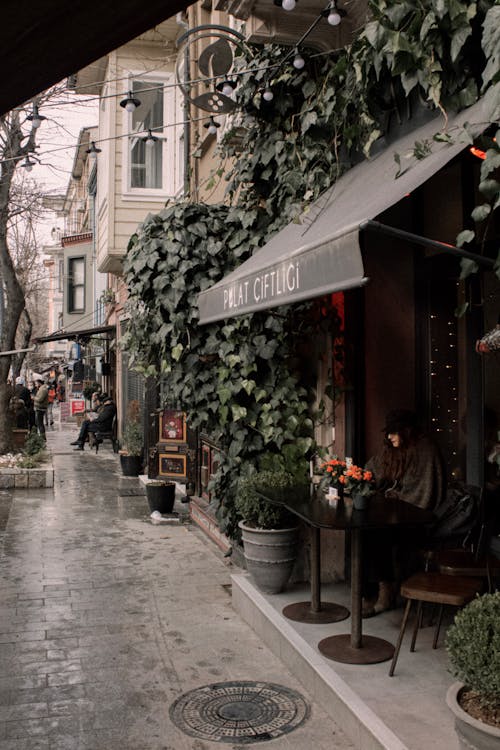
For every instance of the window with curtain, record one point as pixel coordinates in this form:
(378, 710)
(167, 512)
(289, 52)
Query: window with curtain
(76, 285)
(146, 159)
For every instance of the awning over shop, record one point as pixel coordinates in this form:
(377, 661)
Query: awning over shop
(85, 333)
(320, 252)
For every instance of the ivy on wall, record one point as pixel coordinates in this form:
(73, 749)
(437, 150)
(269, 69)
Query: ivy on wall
(238, 380)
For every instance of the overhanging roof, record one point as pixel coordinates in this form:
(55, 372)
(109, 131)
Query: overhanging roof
(320, 253)
(85, 333)
(42, 43)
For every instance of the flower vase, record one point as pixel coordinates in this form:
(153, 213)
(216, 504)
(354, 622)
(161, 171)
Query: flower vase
(359, 502)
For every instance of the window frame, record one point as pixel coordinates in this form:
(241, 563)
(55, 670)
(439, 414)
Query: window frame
(168, 136)
(72, 310)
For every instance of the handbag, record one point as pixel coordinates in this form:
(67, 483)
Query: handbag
(456, 515)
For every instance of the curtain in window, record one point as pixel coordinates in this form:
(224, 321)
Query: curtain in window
(147, 160)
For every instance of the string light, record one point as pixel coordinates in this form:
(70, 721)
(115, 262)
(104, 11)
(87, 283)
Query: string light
(130, 103)
(333, 14)
(150, 139)
(298, 60)
(268, 94)
(226, 87)
(212, 125)
(28, 163)
(286, 4)
(93, 151)
(36, 118)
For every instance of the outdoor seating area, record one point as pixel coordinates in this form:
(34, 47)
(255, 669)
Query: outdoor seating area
(405, 712)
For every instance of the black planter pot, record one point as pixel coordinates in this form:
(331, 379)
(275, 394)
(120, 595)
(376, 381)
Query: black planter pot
(131, 465)
(161, 497)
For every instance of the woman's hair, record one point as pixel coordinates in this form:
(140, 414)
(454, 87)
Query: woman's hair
(396, 462)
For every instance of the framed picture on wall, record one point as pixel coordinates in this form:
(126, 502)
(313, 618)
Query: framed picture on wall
(172, 426)
(172, 465)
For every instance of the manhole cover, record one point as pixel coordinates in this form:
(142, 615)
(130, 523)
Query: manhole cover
(244, 711)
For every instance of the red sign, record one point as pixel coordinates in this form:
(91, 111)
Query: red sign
(77, 406)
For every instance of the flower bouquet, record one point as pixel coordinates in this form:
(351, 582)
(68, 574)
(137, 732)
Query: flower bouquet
(333, 470)
(359, 483)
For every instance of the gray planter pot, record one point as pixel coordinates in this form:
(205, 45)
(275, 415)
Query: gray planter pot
(270, 555)
(472, 734)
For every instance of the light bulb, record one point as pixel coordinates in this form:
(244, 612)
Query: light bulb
(28, 166)
(212, 129)
(149, 143)
(298, 61)
(268, 95)
(36, 122)
(227, 89)
(288, 4)
(130, 106)
(334, 17)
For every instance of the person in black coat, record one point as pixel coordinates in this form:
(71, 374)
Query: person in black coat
(102, 423)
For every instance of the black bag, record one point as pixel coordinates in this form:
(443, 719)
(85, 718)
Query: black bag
(456, 515)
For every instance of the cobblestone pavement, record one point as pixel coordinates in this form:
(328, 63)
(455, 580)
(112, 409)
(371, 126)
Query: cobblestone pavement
(106, 619)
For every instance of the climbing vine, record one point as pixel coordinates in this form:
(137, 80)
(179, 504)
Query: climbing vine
(239, 380)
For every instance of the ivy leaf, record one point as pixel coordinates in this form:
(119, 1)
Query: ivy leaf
(491, 46)
(481, 212)
(461, 310)
(458, 40)
(248, 385)
(491, 162)
(409, 81)
(465, 237)
(428, 23)
(177, 352)
(309, 119)
(489, 188)
(468, 267)
(375, 34)
(238, 412)
(224, 394)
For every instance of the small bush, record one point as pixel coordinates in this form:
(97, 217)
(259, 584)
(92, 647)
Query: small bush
(132, 438)
(32, 461)
(473, 645)
(34, 443)
(258, 512)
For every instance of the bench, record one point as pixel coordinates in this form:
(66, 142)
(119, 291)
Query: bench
(96, 438)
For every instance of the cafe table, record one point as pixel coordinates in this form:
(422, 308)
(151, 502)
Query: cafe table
(317, 513)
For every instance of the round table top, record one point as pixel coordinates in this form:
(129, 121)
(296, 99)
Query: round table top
(316, 511)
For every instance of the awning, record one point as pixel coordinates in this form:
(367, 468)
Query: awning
(320, 253)
(43, 42)
(85, 333)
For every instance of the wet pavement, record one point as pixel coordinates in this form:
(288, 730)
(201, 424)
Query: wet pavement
(107, 619)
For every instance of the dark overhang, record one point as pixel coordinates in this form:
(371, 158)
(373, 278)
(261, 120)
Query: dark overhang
(320, 252)
(85, 333)
(42, 43)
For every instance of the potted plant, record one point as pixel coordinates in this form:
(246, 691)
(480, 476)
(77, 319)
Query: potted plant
(131, 449)
(360, 484)
(333, 469)
(473, 646)
(269, 532)
(161, 495)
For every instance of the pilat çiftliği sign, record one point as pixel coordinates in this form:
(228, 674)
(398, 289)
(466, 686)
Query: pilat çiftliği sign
(268, 287)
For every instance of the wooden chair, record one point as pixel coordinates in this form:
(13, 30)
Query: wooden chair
(111, 434)
(433, 588)
(473, 557)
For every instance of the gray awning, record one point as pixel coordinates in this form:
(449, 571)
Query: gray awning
(320, 253)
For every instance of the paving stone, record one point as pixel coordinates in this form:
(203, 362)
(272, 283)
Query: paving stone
(107, 619)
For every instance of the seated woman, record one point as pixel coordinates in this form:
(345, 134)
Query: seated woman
(409, 467)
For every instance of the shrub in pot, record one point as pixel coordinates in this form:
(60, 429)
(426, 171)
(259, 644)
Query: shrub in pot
(473, 646)
(161, 495)
(269, 532)
(131, 449)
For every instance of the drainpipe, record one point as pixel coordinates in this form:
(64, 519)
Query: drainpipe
(181, 21)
